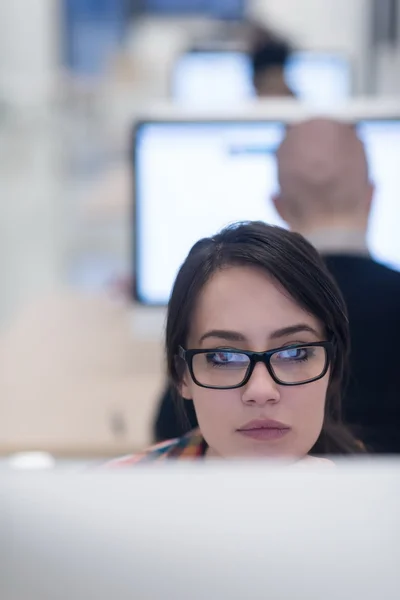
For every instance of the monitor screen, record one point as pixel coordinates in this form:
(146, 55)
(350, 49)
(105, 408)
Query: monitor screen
(212, 79)
(193, 178)
(320, 78)
(224, 78)
(382, 142)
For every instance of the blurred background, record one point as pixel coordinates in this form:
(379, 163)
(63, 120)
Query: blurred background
(81, 365)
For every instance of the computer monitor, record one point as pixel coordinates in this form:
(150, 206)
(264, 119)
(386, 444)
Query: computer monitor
(194, 177)
(217, 531)
(214, 78)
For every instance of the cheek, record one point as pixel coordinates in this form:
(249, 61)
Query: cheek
(309, 406)
(215, 409)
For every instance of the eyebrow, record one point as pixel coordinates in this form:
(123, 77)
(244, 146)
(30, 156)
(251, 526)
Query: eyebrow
(235, 336)
(231, 336)
(292, 329)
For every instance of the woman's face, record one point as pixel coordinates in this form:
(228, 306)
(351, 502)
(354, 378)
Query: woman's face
(242, 308)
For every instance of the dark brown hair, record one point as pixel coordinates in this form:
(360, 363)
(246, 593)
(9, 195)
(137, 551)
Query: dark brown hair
(297, 266)
(271, 53)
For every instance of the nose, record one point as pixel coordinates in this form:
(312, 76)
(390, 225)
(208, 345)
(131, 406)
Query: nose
(261, 389)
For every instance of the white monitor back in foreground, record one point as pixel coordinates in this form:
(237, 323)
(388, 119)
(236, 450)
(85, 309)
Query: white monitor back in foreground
(212, 532)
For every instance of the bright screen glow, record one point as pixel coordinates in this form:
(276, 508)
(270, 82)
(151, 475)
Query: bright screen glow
(215, 79)
(320, 79)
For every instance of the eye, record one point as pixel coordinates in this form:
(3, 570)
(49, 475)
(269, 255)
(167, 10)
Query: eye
(224, 358)
(294, 354)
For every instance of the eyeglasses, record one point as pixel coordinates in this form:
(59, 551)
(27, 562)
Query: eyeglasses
(229, 368)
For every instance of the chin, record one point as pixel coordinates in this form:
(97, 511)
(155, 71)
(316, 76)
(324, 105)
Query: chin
(268, 451)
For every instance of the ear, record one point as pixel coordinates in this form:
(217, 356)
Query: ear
(184, 388)
(183, 375)
(371, 194)
(279, 206)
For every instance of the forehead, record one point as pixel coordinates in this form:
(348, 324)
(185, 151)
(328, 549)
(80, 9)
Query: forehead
(246, 300)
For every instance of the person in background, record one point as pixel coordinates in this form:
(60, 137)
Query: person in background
(269, 60)
(326, 195)
(257, 338)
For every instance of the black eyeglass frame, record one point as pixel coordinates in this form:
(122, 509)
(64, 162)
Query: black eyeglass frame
(256, 357)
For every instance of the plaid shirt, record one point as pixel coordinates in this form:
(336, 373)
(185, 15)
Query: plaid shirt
(189, 447)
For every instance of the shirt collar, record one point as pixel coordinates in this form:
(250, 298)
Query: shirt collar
(330, 240)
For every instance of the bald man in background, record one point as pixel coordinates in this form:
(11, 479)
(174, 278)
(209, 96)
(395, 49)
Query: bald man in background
(326, 195)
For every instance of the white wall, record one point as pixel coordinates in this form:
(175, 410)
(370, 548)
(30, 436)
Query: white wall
(330, 23)
(29, 50)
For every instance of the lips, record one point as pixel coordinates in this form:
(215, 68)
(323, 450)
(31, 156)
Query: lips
(264, 429)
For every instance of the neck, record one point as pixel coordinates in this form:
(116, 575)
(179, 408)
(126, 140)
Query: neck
(338, 239)
(210, 453)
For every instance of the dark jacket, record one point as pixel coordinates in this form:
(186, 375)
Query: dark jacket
(371, 405)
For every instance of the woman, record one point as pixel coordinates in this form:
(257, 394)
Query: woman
(257, 337)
